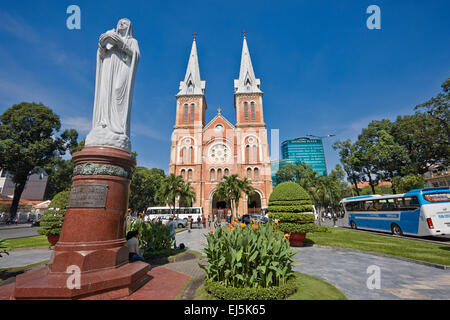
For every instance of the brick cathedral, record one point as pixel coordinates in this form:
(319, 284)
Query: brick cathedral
(203, 153)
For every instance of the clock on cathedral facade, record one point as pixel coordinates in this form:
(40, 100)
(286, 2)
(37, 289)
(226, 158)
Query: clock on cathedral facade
(205, 153)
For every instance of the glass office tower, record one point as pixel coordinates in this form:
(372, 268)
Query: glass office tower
(307, 150)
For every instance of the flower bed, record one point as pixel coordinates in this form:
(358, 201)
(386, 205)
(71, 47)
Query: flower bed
(248, 262)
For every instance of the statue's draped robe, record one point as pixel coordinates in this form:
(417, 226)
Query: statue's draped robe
(114, 86)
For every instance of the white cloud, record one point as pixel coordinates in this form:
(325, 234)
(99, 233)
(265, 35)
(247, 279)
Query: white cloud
(81, 124)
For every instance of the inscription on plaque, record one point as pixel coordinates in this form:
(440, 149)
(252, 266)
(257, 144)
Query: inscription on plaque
(88, 196)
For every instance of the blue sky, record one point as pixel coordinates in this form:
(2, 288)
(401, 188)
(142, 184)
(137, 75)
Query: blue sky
(321, 69)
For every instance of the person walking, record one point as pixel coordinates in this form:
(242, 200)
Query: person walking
(189, 223)
(172, 225)
(216, 222)
(133, 246)
(199, 221)
(204, 222)
(209, 222)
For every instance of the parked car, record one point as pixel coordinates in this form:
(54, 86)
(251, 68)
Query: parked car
(247, 218)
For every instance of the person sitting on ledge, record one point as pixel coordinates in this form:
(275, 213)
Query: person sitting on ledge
(133, 246)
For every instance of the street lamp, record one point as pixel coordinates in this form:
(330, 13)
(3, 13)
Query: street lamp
(325, 160)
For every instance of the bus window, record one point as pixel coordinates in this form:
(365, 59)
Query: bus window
(370, 205)
(391, 204)
(197, 210)
(382, 204)
(165, 211)
(354, 206)
(409, 203)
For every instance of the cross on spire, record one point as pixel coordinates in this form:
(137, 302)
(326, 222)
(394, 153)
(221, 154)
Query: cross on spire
(244, 33)
(195, 34)
(219, 110)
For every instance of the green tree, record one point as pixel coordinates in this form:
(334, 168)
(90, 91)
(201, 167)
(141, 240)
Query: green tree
(425, 141)
(350, 161)
(60, 172)
(231, 190)
(187, 195)
(170, 190)
(29, 140)
(144, 186)
(439, 108)
(409, 182)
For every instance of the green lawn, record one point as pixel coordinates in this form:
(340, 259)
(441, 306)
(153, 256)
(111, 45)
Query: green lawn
(418, 250)
(29, 242)
(309, 288)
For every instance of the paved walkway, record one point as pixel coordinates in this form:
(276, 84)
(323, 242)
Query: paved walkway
(24, 257)
(347, 270)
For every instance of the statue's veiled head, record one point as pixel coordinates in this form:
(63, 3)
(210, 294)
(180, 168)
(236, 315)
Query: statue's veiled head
(124, 28)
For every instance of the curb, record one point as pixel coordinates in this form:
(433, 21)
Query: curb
(425, 263)
(15, 227)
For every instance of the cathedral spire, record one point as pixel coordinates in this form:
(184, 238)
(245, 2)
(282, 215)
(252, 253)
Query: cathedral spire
(247, 82)
(192, 83)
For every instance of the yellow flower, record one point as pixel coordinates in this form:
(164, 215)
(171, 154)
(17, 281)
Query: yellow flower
(243, 225)
(255, 226)
(286, 235)
(231, 226)
(276, 222)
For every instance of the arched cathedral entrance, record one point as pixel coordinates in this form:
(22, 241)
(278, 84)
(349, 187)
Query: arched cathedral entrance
(219, 208)
(254, 203)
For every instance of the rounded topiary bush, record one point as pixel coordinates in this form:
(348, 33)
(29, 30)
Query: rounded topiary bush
(291, 205)
(53, 218)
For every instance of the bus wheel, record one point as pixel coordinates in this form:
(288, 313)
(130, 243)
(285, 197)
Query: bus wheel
(353, 224)
(396, 230)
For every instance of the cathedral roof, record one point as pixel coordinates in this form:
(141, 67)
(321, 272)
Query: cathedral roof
(217, 117)
(192, 83)
(247, 82)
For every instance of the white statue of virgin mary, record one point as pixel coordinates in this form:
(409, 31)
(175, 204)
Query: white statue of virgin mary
(117, 61)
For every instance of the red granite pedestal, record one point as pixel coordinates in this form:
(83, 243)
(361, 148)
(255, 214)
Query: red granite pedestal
(92, 238)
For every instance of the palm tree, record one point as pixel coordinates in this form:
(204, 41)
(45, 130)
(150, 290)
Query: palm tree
(170, 190)
(231, 189)
(187, 194)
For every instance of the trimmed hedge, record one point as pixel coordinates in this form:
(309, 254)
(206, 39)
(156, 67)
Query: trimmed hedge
(53, 218)
(293, 217)
(293, 209)
(222, 292)
(290, 204)
(288, 191)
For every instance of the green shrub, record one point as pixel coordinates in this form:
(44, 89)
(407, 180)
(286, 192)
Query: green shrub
(222, 292)
(154, 237)
(293, 217)
(290, 204)
(53, 218)
(248, 257)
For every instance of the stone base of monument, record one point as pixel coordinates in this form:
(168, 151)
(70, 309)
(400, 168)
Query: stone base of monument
(92, 247)
(104, 284)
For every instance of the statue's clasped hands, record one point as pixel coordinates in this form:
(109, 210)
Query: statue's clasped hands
(111, 37)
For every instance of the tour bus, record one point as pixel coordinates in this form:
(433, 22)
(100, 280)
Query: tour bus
(180, 213)
(419, 212)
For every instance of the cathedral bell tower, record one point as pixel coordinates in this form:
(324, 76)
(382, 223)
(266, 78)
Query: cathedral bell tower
(247, 94)
(186, 150)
